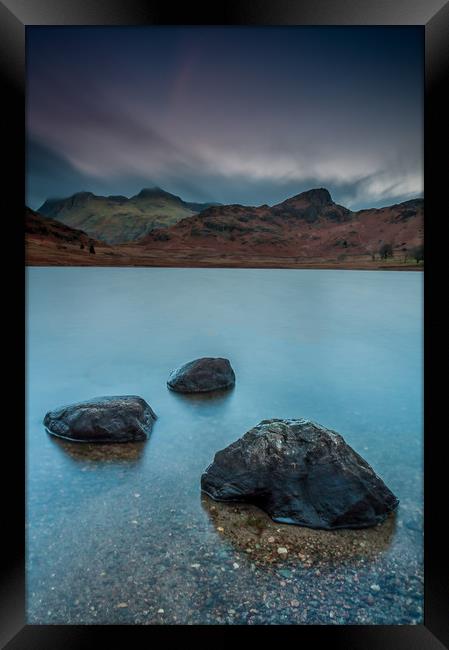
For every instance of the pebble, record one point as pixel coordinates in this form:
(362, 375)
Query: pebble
(282, 550)
(121, 605)
(195, 566)
(294, 603)
(271, 540)
(375, 587)
(160, 611)
(235, 565)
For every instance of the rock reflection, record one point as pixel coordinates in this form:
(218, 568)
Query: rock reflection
(126, 452)
(215, 398)
(251, 529)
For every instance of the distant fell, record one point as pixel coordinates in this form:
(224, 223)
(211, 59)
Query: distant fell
(117, 219)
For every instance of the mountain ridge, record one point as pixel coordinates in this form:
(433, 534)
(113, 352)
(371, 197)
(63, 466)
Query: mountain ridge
(309, 224)
(116, 219)
(308, 228)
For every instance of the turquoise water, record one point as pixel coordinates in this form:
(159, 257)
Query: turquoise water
(114, 533)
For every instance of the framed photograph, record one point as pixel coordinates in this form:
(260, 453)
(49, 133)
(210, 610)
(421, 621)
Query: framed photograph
(227, 421)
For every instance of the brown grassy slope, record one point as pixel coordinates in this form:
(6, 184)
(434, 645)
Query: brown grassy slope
(47, 239)
(44, 253)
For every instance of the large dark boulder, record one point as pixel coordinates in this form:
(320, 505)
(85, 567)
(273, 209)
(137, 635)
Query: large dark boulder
(202, 375)
(123, 418)
(300, 473)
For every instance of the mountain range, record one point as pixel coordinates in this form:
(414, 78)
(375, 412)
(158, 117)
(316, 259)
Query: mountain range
(308, 225)
(309, 228)
(118, 219)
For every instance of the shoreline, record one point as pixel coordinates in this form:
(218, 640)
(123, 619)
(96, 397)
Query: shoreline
(47, 255)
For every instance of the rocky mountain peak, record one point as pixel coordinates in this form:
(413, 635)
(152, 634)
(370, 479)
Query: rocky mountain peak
(153, 192)
(317, 196)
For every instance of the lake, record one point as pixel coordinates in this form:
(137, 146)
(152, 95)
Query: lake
(121, 533)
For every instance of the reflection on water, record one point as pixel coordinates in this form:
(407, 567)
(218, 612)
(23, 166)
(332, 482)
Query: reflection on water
(244, 525)
(130, 452)
(207, 402)
(121, 533)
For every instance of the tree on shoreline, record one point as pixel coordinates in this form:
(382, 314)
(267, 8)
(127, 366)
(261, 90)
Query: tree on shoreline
(418, 253)
(385, 251)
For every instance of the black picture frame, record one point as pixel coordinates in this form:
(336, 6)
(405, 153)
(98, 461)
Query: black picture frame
(15, 16)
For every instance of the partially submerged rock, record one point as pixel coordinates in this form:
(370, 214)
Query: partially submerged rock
(300, 473)
(123, 418)
(202, 375)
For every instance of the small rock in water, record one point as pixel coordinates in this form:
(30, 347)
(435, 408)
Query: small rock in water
(282, 550)
(123, 418)
(202, 375)
(122, 605)
(375, 587)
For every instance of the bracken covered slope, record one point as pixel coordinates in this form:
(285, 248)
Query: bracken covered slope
(309, 225)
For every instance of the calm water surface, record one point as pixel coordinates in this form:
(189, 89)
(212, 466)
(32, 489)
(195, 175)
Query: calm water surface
(121, 533)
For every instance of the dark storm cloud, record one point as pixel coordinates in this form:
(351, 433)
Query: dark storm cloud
(248, 115)
(50, 175)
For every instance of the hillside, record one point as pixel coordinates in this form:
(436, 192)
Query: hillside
(118, 219)
(50, 242)
(307, 226)
(39, 227)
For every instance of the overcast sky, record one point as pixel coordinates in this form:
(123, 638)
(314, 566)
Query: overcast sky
(246, 115)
